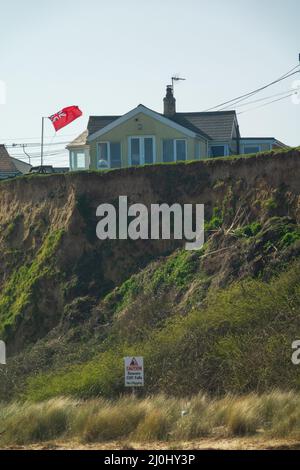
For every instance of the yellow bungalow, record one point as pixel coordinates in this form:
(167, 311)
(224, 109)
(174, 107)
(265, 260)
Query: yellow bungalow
(143, 136)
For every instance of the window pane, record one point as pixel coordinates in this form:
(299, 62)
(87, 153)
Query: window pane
(168, 150)
(80, 160)
(115, 155)
(102, 155)
(251, 149)
(180, 150)
(217, 151)
(148, 143)
(73, 162)
(135, 152)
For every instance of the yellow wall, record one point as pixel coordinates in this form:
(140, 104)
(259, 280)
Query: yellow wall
(151, 127)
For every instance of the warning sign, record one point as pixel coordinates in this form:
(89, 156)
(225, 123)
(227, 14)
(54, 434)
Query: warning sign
(134, 371)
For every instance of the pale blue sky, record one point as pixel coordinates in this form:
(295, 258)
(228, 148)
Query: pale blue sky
(108, 56)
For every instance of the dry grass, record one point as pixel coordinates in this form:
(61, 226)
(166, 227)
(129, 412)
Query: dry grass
(274, 415)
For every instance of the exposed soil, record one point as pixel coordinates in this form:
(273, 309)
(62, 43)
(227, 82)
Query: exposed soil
(203, 444)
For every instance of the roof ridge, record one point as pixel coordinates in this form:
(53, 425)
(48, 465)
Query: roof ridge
(207, 112)
(106, 116)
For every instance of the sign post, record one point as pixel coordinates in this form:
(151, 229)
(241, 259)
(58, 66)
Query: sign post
(134, 372)
(2, 353)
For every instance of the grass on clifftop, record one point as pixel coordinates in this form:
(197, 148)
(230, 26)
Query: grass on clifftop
(184, 162)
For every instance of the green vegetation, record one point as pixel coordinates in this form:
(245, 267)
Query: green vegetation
(247, 327)
(249, 230)
(12, 226)
(215, 222)
(221, 319)
(290, 237)
(156, 418)
(18, 292)
(176, 271)
(207, 161)
(270, 205)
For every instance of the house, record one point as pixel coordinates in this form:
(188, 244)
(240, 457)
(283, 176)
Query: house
(11, 167)
(143, 136)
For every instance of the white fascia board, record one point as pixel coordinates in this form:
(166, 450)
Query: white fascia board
(256, 141)
(148, 112)
(77, 146)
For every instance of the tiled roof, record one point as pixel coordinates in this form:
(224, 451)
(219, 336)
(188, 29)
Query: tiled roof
(180, 119)
(22, 167)
(96, 123)
(218, 124)
(6, 163)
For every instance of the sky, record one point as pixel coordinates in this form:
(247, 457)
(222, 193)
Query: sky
(108, 56)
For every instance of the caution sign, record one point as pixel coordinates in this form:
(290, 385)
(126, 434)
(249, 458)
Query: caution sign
(134, 371)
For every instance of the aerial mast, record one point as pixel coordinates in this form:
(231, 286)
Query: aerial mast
(176, 78)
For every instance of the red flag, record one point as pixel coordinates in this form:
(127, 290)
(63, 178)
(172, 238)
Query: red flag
(65, 117)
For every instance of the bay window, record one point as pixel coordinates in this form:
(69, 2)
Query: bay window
(78, 160)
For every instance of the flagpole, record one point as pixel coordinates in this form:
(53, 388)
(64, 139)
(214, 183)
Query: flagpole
(42, 144)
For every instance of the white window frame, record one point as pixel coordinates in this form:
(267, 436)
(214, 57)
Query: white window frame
(74, 159)
(142, 148)
(108, 152)
(174, 150)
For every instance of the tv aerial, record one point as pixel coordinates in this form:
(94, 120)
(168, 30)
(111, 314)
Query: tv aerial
(176, 78)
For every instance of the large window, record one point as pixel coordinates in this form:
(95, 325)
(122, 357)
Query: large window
(217, 151)
(174, 150)
(252, 149)
(168, 150)
(115, 155)
(109, 155)
(78, 160)
(141, 150)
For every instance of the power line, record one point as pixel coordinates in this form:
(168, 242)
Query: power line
(266, 104)
(240, 98)
(60, 149)
(249, 95)
(34, 157)
(35, 154)
(252, 94)
(36, 144)
(294, 91)
(31, 138)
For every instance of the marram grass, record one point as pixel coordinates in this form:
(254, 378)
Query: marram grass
(155, 418)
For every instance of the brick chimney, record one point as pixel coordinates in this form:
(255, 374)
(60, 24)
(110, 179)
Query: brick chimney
(169, 102)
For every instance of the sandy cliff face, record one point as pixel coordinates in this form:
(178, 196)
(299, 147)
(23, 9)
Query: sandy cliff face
(50, 254)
